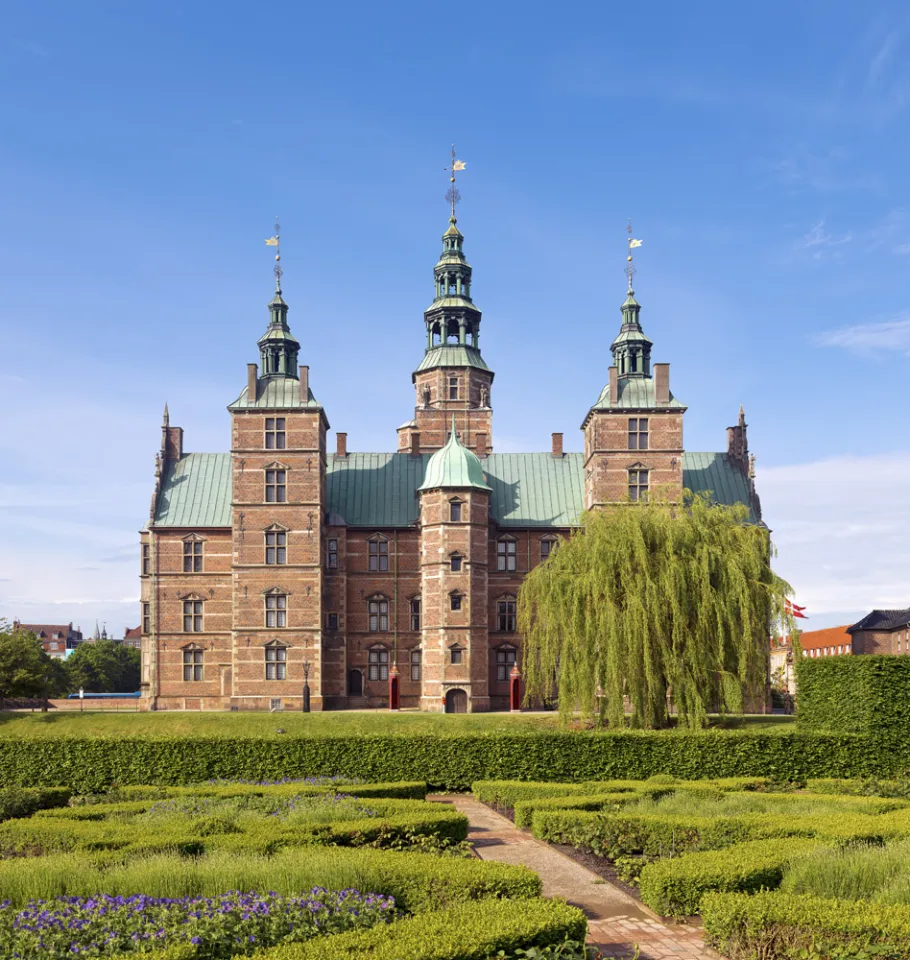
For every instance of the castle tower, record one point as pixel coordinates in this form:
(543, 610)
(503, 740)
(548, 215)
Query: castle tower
(634, 430)
(452, 378)
(454, 525)
(278, 465)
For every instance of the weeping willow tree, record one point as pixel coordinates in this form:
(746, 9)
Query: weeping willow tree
(653, 602)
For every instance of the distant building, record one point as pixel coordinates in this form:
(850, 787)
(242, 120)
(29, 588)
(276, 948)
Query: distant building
(832, 642)
(882, 631)
(132, 637)
(58, 640)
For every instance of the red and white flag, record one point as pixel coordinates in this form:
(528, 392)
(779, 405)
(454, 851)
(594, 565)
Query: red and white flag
(795, 611)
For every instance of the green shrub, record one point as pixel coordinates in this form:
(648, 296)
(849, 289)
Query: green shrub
(472, 932)
(91, 765)
(23, 802)
(400, 790)
(780, 925)
(525, 809)
(417, 882)
(676, 886)
(869, 694)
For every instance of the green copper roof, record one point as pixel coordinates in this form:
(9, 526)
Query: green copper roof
(635, 393)
(452, 355)
(196, 492)
(380, 489)
(276, 393)
(454, 467)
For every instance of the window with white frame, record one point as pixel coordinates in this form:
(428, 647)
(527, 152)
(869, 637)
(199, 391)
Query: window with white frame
(638, 484)
(547, 546)
(192, 616)
(506, 615)
(192, 662)
(416, 659)
(276, 661)
(638, 433)
(192, 556)
(379, 615)
(415, 613)
(275, 435)
(276, 486)
(276, 546)
(505, 660)
(379, 555)
(378, 663)
(506, 554)
(276, 610)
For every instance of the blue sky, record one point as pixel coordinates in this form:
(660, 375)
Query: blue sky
(761, 152)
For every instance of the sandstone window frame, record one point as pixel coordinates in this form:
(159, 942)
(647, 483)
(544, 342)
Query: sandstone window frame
(455, 655)
(455, 509)
(378, 613)
(415, 664)
(639, 429)
(506, 658)
(193, 657)
(193, 553)
(146, 617)
(275, 608)
(456, 562)
(275, 545)
(378, 553)
(415, 612)
(331, 553)
(456, 600)
(639, 479)
(276, 660)
(146, 559)
(453, 387)
(193, 613)
(275, 433)
(506, 554)
(378, 663)
(507, 613)
(275, 476)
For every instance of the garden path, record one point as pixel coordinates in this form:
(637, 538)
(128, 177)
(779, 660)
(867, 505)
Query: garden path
(616, 922)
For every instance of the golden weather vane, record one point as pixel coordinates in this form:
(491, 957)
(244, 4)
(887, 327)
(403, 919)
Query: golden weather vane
(452, 195)
(275, 242)
(633, 243)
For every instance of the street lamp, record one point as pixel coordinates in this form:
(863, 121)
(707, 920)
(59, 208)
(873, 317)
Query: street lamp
(306, 686)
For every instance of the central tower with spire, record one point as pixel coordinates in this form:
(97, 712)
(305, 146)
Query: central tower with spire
(453, 378)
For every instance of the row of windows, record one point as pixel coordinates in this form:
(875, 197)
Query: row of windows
(276, 612)
(276, 542)
(276, 662)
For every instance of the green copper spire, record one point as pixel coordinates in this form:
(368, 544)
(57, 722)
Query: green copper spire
(454, 467)
(631, 349)
(278, 347)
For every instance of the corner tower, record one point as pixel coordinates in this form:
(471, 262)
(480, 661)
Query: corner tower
(634, 430)
(278, 465)
(453, 378)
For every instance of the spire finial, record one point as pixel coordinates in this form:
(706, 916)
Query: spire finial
(452, 195)
(630, 266)
(454, 434)
(167, 418)
(275, 242)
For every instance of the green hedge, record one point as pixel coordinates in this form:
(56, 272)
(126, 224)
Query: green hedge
(397, 790)
(91, 765)
(868, 694)
(417, 881)
(676, 886)
(525, 809)
(778, 925)
(23, 802)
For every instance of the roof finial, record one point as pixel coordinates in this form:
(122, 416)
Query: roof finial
(630, 267)
(454, 434)
(275, 242)
(452, 195)
(167, 418)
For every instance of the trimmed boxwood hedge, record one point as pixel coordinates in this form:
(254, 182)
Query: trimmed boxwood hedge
(783, 925)
(23, 802)
(453, 763)
(868, 694)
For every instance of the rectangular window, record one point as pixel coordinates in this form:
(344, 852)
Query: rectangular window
(455, 511)
(192, 664)
(192, 556)
(546, 548)
(146, 618)
(505, 610)
(415, 665)
(456, 564)
(276, 667)
(379, 616)
(332, 621)
(453, 388)
(505, 555)
(415, 614)
(276, 486)
(275, 436)
(276, 543)
(192, 616)
(331, 556)
(276, 610)
(455, 654)
(638, 485)
(505, 660)
(638, 433)
(455, 600)
(146, 559)
(379, 555)
(378, 664)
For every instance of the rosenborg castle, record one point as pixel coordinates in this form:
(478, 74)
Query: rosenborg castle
(281, 563)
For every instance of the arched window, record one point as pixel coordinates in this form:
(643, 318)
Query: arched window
(276, 661)
(378, 663)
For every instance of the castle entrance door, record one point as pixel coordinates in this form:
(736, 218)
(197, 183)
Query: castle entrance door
(456, 701)
(355, 683)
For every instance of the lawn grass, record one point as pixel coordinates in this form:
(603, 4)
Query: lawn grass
(347, 723)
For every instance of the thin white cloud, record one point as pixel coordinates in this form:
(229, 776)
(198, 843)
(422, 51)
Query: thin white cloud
(820, 240)
(867, 338)
(883, 56)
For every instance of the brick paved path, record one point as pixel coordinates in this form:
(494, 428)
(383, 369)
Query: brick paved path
(616, 921)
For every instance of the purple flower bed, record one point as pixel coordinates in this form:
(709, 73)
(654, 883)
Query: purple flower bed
(269, 806)
(231, 925)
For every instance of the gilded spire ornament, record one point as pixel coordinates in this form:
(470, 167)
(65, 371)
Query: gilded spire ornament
(275, 241)
(630, 266)
(452, 194)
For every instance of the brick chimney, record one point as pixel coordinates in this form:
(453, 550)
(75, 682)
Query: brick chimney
(614, 386)
(415, 443)
(482, 448)
(252, 383)
(557, 444)
(304, 383)
(341, 444)
(662, 383)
